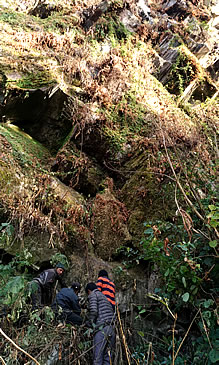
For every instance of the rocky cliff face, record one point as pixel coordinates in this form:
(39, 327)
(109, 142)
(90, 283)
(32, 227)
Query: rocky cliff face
(92, 95)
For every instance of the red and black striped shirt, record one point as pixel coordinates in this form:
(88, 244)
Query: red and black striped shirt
(107, 287)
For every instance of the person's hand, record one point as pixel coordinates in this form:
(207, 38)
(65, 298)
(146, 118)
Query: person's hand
(82, 301)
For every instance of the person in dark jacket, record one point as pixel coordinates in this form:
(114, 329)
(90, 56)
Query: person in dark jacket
(101, 318)
(106, 286)
(66, 305)
(43, 286)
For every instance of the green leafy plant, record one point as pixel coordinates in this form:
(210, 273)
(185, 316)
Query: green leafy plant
(214, 218)
(185, 265)
(6, 232)
(14, 284)
(130, 256)
(58, 257)
(183, 71)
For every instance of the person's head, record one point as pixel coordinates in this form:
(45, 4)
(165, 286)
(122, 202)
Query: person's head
(103, 273)
(60, 268)
(76, 287)
(90, 287)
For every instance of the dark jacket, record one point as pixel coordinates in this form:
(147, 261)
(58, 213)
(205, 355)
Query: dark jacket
(67, 300)
(107, 287)
(47, 281)
(101, 312)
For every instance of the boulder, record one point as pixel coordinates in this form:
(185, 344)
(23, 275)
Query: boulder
(75, 169)
(92, 14)
(39, 113)
(44, 8)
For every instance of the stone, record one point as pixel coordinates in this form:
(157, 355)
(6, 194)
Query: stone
(81, 173)
(91, 15)
(38, 112)
(44, 8)
(66, 194)
(213, 69)
(176, 8)
(129, 20)
(144, 11)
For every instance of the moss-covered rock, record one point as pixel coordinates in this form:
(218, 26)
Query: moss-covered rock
(76, 169)
(39, 113)
(109, 217)
(146, 195)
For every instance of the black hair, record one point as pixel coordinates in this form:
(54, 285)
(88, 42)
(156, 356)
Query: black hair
(76, 286)
(90, 286)
(103, 273)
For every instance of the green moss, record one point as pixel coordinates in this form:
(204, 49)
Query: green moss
(145, 197)
(60, 22)
(128, 120)
(111, 27)
(35, 80)
(15, 19)
(6, 177)
(114, 137)
(25, 150)
(56, 22)
(184, 70)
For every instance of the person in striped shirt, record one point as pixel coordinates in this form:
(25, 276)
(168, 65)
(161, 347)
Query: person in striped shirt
(106, 286)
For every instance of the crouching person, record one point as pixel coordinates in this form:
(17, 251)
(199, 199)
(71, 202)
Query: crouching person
(101, 318)
(42, 288)
(66, 305)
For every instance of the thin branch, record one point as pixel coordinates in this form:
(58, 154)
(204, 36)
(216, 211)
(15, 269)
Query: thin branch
(164, 301)
(44, 349)
(173, 338)
(186, 335)
(1, 359)
(208, 272)
(123, 336)
(204, 325)
(149, 351)
(125, 172)
(179, 184)
(83, 353)
(18, 347)
(192, 190)
(176, 201)
(200, 232)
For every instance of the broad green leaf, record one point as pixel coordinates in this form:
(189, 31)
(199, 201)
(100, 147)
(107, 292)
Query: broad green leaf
(207, 303)
(140, 333)
(195, 291)
(213, 243)
(214, 224)
(185, 297)
(212, 207)
(142, 311)
(15, 285)
(214, 356)
(184, 281)
(167, 272)
(148, 231)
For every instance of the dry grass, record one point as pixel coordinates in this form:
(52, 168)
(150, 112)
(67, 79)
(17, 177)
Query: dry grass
(30, 196)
